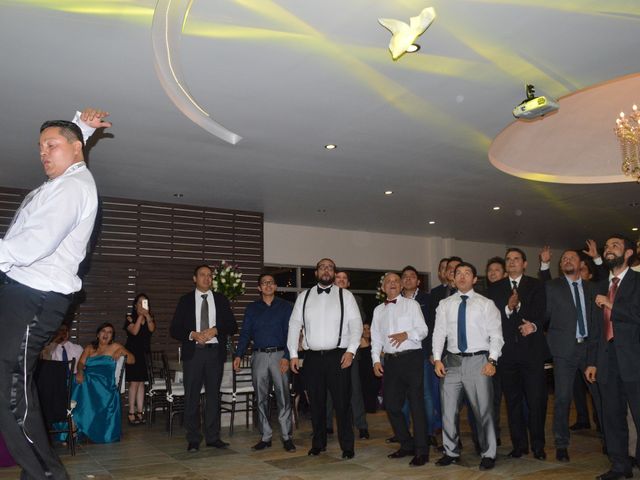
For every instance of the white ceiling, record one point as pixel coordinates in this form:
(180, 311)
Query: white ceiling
(290, 76)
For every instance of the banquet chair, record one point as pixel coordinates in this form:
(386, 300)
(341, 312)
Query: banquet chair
(54, 380)
(239, 396)
(156, 395)
(174, 395)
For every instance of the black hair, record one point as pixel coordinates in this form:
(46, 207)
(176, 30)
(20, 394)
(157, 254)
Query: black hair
(454, 259)
(68, 130)
(499, 260)
(195, 270)
(468, 265)
(517, 250)
(96, 342)
(265, 274)
(409, 268)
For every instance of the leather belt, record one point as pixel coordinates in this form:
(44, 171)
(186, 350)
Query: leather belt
(470, 354)
(402, 353)
(269, 349)
(207, 345)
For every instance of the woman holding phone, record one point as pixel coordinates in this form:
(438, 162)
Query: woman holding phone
(139, 327)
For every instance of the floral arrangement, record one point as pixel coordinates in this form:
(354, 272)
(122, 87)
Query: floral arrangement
(380, 295)
(227, 280)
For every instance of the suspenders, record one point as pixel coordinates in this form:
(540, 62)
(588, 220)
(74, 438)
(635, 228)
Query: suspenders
(304, 307)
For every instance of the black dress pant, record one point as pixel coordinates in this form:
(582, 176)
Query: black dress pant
(525, 379)
(616, 395)
(404, 379)
(204, 368)
(29, 318)
(323, 372)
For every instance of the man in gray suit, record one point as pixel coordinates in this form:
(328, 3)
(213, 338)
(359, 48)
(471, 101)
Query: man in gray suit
(570, 312)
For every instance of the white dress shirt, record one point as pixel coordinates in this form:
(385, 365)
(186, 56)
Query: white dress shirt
(403, 316)
(484, 326)
(322, 322)
(212, 311)
(73, 351)
(50, 232)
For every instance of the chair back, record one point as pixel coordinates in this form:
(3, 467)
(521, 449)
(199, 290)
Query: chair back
(167, 374)
(54, 383)
(243, 379)
(120, 373)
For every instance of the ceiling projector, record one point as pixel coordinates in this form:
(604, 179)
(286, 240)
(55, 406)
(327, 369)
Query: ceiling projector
(534, 107)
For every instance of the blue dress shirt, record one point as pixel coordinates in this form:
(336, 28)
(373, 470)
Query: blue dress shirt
(266, 325)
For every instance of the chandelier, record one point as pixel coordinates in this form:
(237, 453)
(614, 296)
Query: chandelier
(628, 132)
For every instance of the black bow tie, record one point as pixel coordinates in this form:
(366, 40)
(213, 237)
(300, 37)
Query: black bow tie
(387, 302)
(323, 290)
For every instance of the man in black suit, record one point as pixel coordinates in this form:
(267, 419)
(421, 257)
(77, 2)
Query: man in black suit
(202, 322)
(570, 312)
(521, 302)
(614, 353)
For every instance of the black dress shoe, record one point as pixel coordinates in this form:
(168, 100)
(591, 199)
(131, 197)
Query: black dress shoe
(487, 463)
(261, 445)
(329, 430)
(419, 460)
(611, 475)
(289, 446)
(348, 454)
(391, 440)
(218, 444)
(364, 433)
(447, 460)
(400, 453)
(193, 447)
(539, 454)
(562, 455)
(315, 451)
(515, 453)
(580, 426)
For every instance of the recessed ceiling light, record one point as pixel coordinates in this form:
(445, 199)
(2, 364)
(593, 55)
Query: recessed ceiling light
(330, 146)
(496, 208)
(414, 47)
(178, 195)
(388, 192)
(635, 229)
(432, 222)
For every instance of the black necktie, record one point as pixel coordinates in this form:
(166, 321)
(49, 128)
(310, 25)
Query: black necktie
(581, 329)
(204, 313)
(324, 290)
(515, 284)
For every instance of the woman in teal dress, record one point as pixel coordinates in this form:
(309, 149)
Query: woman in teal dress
(97, 411)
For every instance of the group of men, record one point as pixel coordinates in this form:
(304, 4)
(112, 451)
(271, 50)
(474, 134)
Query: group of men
(480, 345)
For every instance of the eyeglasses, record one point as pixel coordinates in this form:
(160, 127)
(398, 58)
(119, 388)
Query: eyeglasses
(267, 282)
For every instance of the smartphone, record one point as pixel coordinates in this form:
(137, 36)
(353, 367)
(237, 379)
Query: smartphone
(145, 304)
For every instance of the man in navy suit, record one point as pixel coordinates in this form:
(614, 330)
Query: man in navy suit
(614, 353)
(202, 322)
(570, 312)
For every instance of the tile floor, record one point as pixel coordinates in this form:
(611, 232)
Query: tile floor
(149, 453)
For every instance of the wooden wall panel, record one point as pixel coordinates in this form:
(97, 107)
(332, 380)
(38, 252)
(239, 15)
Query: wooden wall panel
(153, 248)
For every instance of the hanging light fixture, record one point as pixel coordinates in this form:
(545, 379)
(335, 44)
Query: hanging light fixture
(628, 132)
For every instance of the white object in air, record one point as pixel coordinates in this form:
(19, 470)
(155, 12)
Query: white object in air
(166, 31)
(403, 35)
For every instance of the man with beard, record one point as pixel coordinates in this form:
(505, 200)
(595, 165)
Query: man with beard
(570, 312)
(331, 325)
(614, 353)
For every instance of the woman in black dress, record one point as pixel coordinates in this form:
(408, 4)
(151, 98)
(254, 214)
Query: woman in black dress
(139, 326)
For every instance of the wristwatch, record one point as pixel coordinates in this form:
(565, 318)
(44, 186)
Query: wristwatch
(493, 362)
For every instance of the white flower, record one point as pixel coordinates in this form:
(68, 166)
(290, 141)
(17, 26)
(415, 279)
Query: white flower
(222, 280)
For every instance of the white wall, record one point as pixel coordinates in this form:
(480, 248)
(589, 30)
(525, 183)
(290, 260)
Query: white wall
(304, 245)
